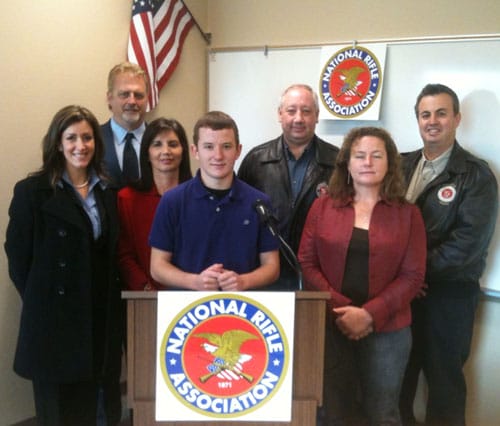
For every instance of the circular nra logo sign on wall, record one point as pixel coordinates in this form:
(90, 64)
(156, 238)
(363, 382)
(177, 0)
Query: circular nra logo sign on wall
(224, 356)
(350, 82)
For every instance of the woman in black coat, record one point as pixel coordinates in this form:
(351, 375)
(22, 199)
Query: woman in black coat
(61, 249)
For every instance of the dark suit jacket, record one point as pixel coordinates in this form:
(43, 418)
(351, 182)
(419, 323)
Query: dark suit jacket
(49, 248)
(110, 158)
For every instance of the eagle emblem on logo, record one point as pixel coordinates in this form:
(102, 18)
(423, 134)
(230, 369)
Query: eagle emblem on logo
(225, 348)
(350, 77)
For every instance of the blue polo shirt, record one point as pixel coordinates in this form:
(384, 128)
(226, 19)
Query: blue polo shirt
(200, 229)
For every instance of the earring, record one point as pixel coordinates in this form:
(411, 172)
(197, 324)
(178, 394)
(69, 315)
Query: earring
(348, 178)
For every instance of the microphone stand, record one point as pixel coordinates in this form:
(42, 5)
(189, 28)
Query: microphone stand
(287, 251)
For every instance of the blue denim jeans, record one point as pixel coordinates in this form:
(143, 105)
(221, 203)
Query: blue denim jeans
(363, 378)
(442, 335)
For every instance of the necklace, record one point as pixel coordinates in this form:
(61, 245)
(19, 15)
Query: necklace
(83, 185)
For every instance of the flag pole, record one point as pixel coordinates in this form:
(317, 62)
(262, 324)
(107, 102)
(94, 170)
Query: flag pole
(206, 36)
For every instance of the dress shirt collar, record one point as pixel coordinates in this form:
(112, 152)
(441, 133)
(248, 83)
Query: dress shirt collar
(93, 180)
(439, 163)
(119, 132)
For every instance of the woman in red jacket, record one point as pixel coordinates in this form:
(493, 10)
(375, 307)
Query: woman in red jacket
(366, 246)
(164, 161)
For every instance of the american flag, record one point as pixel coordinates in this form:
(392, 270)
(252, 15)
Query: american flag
(157, 32)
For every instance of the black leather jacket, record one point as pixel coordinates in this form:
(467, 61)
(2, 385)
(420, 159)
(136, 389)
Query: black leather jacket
(265, 168)
(459, 208)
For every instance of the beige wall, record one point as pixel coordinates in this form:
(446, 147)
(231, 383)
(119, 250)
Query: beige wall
(292, 22)
(56, 52)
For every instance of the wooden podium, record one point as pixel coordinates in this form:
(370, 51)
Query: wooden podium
(310, 312)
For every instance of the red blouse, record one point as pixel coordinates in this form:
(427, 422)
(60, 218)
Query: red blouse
(136, 211)
(396, 261)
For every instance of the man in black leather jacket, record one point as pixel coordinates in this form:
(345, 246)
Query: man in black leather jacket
(292, 169)
(457, 194)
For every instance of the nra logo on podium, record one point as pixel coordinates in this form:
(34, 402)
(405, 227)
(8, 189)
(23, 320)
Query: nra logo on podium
(224, 356)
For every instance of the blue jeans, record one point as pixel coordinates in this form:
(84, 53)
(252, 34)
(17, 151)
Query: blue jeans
(442, 334)
(363, 378)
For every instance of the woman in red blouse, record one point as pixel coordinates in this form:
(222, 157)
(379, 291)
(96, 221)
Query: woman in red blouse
(164, 161)
(366, 246)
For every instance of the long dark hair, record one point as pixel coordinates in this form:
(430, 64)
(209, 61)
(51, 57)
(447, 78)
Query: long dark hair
(146, 182)
(341, 186)
(54, 162)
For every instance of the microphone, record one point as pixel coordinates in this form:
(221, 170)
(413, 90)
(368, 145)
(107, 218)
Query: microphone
(268, 219)
(264, 216)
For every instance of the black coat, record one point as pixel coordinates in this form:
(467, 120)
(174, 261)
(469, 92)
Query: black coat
(49, 247)
(265, 168)
(459, 208)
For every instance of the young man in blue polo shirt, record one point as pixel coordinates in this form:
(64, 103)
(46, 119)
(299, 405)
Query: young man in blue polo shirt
(206, 234)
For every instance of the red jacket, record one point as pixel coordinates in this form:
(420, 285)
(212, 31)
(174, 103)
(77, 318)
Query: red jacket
(397, 256)
(136, 210)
